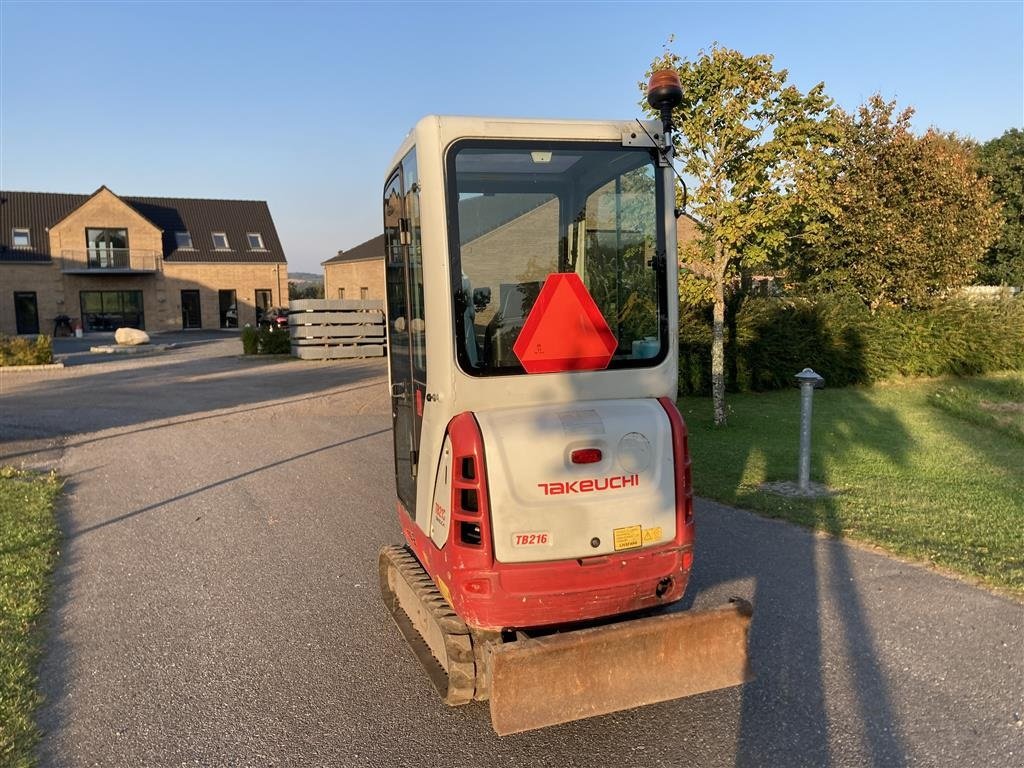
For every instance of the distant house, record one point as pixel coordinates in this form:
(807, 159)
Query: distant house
(357, 273)
(157, 263)
(687, 230)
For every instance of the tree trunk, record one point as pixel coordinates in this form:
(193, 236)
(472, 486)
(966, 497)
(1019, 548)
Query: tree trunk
(718, 351)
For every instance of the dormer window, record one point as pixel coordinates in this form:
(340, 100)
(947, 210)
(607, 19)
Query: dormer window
(183, 240)
(21, 237)
(255, 241)
(220, 242)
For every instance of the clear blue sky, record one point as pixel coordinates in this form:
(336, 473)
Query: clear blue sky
(303, 105)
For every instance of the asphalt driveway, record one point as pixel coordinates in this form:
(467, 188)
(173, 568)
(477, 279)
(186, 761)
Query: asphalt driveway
(216, 600)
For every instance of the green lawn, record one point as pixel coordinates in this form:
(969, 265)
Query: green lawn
(918, 470)
(28, 550)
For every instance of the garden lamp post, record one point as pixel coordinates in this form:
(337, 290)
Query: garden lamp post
(808, 381)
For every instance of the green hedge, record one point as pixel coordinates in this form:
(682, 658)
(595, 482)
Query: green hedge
(264, 341)
(17, 350)
(250, 340)
(770, 339)
(274, 342)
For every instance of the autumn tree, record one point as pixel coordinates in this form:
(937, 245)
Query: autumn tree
(904, 218)
(743, 134)
(1002, 161)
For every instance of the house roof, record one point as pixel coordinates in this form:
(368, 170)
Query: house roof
(38, 211)
(371, 249)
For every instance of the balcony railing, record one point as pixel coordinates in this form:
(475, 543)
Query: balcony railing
(107, 260)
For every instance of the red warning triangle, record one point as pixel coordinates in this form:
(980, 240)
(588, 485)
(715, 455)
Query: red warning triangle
(565, 331)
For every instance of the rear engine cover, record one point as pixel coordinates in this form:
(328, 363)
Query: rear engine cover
(546, 507)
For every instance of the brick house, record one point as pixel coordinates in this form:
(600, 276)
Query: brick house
(357, 273)
(156, 263)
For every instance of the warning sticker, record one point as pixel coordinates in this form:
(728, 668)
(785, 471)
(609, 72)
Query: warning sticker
(652, 535)
(627, 538)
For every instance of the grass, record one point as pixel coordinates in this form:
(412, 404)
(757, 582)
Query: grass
(996, 402)
(917, 470)
(28, 550)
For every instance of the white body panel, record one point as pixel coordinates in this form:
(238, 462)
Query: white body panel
(451, 390)
(441, 509)
(544, 507)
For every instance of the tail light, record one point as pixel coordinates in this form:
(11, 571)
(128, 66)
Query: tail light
(681, 462)
(471, 519)
(585, 456)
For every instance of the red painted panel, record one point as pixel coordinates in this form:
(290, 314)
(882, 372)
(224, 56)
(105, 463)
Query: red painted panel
(491, 595)
(565, 330)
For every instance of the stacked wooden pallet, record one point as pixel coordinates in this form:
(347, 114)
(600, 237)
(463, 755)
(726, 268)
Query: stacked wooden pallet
(328, 329)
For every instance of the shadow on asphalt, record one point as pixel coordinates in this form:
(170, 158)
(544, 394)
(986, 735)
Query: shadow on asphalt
(77, 443)
(74, 534)
(180, 385)
(784, 715)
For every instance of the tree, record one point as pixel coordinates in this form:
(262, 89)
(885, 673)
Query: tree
(744, 135)
(1002, 160)
(903, 218)
(305, 290)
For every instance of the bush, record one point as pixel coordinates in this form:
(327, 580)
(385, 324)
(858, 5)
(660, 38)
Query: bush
(274, 342)
(250, 341)
(770, 339)
(16, 350)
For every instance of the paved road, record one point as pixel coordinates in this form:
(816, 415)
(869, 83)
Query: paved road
(216, 601)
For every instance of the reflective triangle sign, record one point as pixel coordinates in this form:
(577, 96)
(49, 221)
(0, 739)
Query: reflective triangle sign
(565, 331)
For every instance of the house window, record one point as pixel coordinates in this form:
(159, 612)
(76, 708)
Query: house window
(110, 310)
(21, 238)
(364, 293)
(108, 248)
(341, 293)
(183, 240)
(255, 241)
(220, 242)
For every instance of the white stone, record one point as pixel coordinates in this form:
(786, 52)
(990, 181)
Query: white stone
(130, 337)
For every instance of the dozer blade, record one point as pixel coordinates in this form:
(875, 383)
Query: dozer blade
(559, 678)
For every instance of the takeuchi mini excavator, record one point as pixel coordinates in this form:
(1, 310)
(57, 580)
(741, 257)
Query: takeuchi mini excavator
(541, 465)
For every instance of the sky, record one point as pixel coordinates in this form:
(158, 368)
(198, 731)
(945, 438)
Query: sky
(304, 104)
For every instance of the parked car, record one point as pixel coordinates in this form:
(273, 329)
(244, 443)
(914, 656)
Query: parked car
(274, 318)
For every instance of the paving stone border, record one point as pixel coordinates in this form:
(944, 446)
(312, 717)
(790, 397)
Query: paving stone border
(44, 367)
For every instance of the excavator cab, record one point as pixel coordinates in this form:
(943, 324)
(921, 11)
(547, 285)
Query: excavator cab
(541, 466)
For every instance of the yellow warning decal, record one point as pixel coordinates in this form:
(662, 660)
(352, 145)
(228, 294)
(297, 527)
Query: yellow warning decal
(627, 538)
(652, 535)
(443, 588)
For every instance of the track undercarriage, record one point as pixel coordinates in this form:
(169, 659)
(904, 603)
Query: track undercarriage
(533, 682)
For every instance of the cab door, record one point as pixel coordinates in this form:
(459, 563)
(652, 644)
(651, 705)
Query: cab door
(403, 392)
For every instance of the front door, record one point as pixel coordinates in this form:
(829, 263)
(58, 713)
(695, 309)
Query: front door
(263, 299)
(191, 315)
(26, 312)
(403, 419)
(228, 309)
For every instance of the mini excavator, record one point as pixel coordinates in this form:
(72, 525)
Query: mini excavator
(541, 466)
